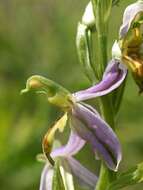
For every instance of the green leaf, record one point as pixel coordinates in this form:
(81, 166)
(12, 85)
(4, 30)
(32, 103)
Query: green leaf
(58, 183)
(130, 177)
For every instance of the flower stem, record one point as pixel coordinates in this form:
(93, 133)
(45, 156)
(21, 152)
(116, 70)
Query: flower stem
(106, 109)
(106, 176)
(102, 48)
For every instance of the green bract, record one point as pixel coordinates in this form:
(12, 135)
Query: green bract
(130, 177)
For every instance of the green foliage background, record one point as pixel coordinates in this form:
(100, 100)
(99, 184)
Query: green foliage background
(38, 37)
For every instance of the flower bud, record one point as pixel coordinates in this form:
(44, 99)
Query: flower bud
(83, 44)
(116, 51)
(88, 17)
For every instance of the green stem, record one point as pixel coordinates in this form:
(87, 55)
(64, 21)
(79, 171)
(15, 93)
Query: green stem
(102, 48)
(106, 109)
(106, 176)
(102, 39)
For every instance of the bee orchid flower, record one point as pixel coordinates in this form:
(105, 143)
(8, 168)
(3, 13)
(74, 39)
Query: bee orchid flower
(84, 120)
(69, 165)
(131, 41)
(86, 123)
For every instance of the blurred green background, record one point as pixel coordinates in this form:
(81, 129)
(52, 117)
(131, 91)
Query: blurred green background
(38, 37)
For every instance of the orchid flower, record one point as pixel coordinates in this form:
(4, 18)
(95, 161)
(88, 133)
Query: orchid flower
(86, 126)
(131, 40)
(68, 166)
(85, 121)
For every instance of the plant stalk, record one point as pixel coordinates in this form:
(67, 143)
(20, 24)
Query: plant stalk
(106, 176)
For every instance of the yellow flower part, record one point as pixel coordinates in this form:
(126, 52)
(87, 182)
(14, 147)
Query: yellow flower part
(50, 135)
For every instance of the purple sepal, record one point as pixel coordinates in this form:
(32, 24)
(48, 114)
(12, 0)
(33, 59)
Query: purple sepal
(130, 12)
(75, 143)
(113, 77)
(46, 178)
(92, 128)
(82, 174)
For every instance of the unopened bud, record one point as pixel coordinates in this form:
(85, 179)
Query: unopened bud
(116, 51)
(88, 17)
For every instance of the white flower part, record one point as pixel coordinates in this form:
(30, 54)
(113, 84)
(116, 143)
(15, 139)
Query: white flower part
(67, 178)
(88, 17)
(46, 178)
(130, 12)
(116, 51)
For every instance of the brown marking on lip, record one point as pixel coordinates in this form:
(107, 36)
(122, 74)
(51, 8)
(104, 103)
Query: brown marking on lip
(47, 147)
(35, 83)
